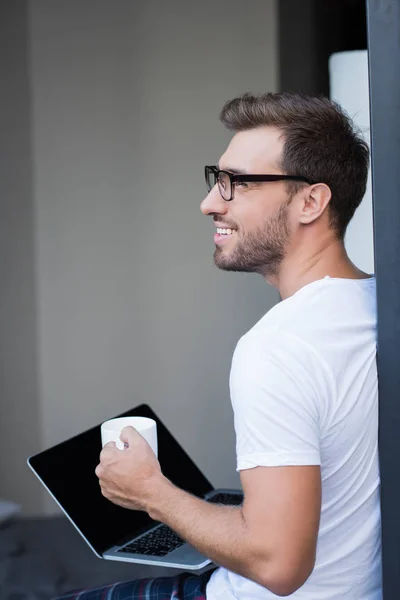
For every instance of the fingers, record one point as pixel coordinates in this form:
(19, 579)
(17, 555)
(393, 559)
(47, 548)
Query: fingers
(109, 445)
(107, 450)
(129, 435)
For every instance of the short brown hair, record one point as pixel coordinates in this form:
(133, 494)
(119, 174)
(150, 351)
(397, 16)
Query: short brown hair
(321, 143)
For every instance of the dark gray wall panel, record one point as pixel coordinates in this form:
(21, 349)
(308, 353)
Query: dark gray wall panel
(384, 63)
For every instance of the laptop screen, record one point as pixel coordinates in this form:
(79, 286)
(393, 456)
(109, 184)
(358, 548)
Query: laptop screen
(67, 470)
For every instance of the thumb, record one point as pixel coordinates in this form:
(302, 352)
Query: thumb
(128, 435)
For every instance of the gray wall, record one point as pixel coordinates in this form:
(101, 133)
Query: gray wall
(20, 411)
(125, 102)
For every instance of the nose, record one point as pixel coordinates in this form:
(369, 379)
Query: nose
(214, 203)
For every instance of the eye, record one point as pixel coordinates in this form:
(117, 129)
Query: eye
(242, 184)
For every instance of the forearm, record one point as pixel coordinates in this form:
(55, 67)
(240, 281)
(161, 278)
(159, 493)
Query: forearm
(271, 539)
(219, 532)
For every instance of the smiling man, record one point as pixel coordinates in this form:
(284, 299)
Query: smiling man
(303, 379)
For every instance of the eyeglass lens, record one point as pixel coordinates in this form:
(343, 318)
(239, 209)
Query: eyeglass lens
(223, 180)
(224, 185)
(210, 179)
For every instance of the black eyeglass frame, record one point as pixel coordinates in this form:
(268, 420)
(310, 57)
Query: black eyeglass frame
(246, 178)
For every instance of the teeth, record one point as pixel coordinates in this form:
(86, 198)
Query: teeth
(225, 231)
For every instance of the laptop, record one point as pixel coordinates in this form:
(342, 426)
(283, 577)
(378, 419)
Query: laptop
(114, 533)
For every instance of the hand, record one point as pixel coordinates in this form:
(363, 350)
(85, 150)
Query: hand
(129, 477)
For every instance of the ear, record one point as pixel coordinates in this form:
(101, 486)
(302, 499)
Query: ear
(315, 200)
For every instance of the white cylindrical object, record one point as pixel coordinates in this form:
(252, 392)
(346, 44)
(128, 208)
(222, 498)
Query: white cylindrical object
(111, 431)
(349, 85)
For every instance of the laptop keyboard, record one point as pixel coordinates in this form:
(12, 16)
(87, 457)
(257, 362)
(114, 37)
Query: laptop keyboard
(163, 540)
(157, 542)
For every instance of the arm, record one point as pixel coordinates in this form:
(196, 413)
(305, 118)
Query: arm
(278, 397)
(271, 539)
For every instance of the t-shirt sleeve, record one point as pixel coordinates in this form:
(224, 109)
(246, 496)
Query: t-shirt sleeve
(277, 392)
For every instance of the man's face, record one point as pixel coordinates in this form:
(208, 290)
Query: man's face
(258, 215)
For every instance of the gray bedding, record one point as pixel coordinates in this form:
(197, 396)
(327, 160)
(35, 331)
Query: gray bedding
(44, 557)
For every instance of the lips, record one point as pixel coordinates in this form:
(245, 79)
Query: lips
(222, 238)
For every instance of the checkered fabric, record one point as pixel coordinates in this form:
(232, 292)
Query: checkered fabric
(181, 587)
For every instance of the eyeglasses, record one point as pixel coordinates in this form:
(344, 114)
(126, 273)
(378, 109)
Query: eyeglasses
(226, 180)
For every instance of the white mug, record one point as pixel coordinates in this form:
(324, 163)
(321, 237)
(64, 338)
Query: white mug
(111, 430)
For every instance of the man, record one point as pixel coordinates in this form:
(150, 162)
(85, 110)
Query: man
(303, 379)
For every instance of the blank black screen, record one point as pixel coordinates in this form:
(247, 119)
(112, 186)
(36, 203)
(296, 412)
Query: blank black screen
(68, 471)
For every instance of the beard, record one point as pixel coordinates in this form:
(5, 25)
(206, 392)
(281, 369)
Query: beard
(260, 251)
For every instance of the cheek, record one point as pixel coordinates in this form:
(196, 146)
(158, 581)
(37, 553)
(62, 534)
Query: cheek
(253, 222)
(255, 211)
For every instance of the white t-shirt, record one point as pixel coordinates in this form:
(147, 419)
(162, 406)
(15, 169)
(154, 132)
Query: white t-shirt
(304, 391)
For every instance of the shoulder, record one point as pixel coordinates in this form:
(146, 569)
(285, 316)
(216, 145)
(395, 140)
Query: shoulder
(317, 313)
(274, 363)
(274, 358)
(275, 345)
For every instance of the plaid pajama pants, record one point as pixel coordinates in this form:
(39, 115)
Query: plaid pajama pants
(181, 587)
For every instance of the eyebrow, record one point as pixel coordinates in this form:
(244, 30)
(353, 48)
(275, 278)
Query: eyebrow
(233, 170)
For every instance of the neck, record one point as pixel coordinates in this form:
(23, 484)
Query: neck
(300, 267)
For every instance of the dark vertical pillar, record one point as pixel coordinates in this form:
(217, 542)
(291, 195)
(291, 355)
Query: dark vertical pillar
(383, 22)
(298, 56)
(309, 32)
